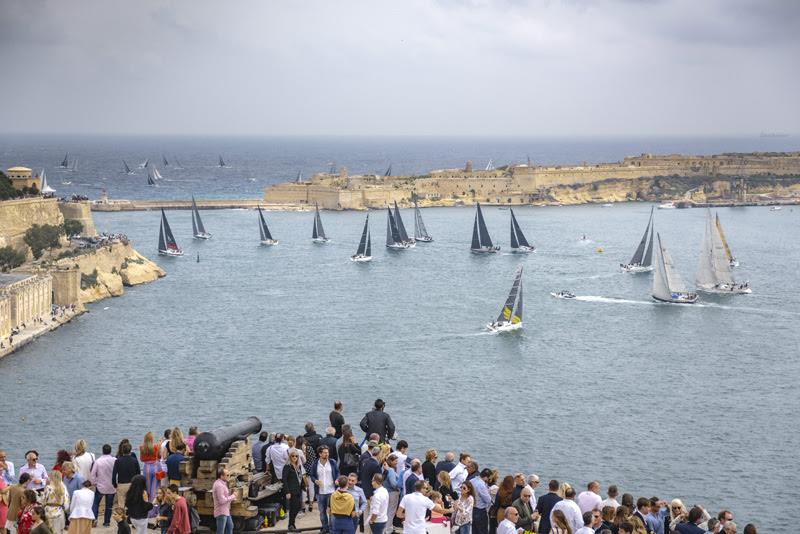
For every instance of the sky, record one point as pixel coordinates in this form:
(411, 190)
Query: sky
(402, 67)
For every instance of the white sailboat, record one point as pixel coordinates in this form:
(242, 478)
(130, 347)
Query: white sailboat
(198, 229)
(481, 242)
(318, 233)
(510, 317)
(266, 236)
(167, 246)
(156, 174)
(668, 285)
(714, 270)
(364, 252)
(420, 232)
(519, 244)
(46, 189)
(642, 260)
(732, 261)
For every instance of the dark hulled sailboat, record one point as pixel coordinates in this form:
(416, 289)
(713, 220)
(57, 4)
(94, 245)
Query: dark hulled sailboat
(402, 227)
(167, 246)
(394, 240)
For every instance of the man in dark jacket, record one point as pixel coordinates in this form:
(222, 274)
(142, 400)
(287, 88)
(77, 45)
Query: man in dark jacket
(336, 418)
(330, 441)
(369, 466)
(545, 505)
(312, 438)
(379, 422)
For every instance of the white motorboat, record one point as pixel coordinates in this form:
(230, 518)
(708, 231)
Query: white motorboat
(775, 208)
(565, 294)
(667, 206)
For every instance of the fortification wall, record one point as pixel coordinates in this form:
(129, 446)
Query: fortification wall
(66, 286)
(16, 216)
(79, 211)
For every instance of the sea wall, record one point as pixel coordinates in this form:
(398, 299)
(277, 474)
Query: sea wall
(104, 272)
(79, 211)
(16, 216)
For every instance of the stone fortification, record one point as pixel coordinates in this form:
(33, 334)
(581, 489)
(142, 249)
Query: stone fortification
(16, 216)
(105, 271)
(645, 177)
(79, 211)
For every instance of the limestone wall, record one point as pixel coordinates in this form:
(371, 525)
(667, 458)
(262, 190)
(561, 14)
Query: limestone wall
(5, 316)
(66, 286)
(29, 298)
(16, 216)
(79, 211)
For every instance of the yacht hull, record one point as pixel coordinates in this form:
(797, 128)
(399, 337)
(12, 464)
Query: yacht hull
(503, 327)
(269, 242)
(360, 258)
(688, 299)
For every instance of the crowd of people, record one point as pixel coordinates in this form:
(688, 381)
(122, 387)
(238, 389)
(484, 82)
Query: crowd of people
(355, 485)
(56, 313)
(98, 241)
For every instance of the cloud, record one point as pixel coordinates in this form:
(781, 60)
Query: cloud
(414, 67)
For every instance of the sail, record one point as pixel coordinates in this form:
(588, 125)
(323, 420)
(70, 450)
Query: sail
(156, 174)
(150, 180)
(419, 226)
(638, 256)
(127, 169)
(388, 171)
(197, 222)
(299, 177)
(319, 231)
(162, 244)
(265, 233)
(146, 163)
(168, 237)
(516, 233)
(65, 161)
(705, 277)
(362, 244)
(369, 243)
(221, 161)
(517, 317)
(74, 166)
(476, 242)
(176, 163)
(392, 231)
(508, 308)
(674, 280)
(164, 160)
(648, 256)
(401, 228)
(660, 284)
(486, 241)
(724, 241)
(719, 260)
(46, 189)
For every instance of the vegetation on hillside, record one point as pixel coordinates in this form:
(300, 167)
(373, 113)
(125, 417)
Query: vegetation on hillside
(42, 237)
(10, 259)
(8, 192)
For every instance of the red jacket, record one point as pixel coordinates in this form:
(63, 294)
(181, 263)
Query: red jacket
(180, 518)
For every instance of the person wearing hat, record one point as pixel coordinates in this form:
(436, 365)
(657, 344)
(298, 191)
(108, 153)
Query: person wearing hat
(378, 422)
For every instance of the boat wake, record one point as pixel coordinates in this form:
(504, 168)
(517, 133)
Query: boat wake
(610, 300)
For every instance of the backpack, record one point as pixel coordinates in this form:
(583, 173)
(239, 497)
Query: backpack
(194, 519)
(350, 459)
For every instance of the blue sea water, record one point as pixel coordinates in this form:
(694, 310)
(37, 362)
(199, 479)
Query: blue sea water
(697, 402)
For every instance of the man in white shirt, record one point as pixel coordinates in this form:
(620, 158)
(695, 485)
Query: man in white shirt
(570, 509)
(587, 524)
(278, 455)
(6, 469)
(378, 505)
(509, 524)
(590, 499)
(324, 472)
(533, 483)
(412, 510)
(612, 498)
(459, 473)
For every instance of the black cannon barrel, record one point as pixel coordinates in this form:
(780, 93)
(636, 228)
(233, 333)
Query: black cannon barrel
(213, 445)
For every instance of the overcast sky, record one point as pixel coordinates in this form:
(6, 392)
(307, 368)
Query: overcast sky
(515, 67)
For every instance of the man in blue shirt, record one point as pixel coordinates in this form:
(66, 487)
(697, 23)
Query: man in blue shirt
(174, 465)
(72, 480)
(480, 515)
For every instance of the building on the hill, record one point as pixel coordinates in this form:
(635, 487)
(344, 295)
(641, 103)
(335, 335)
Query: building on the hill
(22, 177)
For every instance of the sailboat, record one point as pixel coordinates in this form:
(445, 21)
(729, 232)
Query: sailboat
(642, 261)
(668, 285)
(714, 269)
(127, 170)
(64, 162)
(164, 160)
(732, 261)
(388, 171)
(150, 179)
(510, 317)
(221, 162)
(156, 174)
(167, 246)
(266, 237)
(299, 177)
(393, 239)
(45, 189)
(402, 227)
(518, 242)
(73, 166)
(198, 230)
(145, 163)
(318, 233)
(364, 252)
(481, 242)
(420, 232)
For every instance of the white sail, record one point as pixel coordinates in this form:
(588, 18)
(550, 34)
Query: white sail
(674, 280)
(660, 284)
(714, 268)
(704, 278)
(46, 189)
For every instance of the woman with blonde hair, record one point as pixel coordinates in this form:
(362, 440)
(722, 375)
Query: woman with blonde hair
(56, 500)
(148, 453)
(429, 467)
(83, 460)
(175, 437)
(445, 486)
(560, 524)
(677, 514)
(562, 489)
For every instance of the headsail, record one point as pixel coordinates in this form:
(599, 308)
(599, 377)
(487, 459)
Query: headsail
(420, 232)
(506, 312)
(517, 237)
(517, 317)
(483, 232)
(674, 280)
(476, 240)
(362, 244)
(127, 169)
(401, 228)
(392, 232)
(319, 231)
(661, 288)
(197, 222)
(648, 256)
(388, 171)
(262, 226)
(638, 256)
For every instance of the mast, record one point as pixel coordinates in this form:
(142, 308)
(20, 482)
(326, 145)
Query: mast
(401, 228)
(486, 241)
(724, 241)
(508, 307)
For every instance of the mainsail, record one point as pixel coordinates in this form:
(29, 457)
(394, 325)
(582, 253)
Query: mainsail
(674, 280)
(714, 266)
(319, 231)
(262, 226)
(724, 241)
(661, 288)
(639, 257)
(392, 232)
(388, 171)
(480, 235)
(299, 177)
(507, 312)
(197, 222)
(420, 232)
(517, 237)
(168, 238)
(401, 228)
(364, 245)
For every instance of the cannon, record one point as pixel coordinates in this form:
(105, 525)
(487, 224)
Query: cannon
(214, 445)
